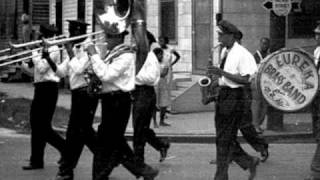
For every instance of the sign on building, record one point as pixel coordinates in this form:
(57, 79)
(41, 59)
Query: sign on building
(279, 7)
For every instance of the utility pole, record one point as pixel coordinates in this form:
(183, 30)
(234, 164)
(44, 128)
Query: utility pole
(278, 41)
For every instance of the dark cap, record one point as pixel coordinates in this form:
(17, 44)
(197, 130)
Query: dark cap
(77, 24)
(48, 29)
(238, 35)
(226, 27)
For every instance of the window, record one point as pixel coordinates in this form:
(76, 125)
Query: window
(81, 9)
(168, 20)
(303, 18)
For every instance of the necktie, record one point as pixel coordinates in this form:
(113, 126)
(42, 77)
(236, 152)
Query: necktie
(223, 60)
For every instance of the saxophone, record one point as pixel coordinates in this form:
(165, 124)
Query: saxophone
(209, 87)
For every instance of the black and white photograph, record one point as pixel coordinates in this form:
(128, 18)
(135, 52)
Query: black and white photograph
(159, 89)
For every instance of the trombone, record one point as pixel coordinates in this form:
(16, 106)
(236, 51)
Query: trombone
(32, 43)
(22, 45)
(49, 43)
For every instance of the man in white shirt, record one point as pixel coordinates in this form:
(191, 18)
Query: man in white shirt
(144, 102)
(83, 106)
(117, 74)
(315, 110)
(235, 70)
(46, 85)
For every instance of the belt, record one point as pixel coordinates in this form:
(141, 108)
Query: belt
(80, 89)
(229, 88)
(114, 93)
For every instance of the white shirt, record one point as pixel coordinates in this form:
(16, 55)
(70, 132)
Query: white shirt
(316, 55)
(149, 74)
(42, 70)
(239, 61)
(75, 68)
(117, 74)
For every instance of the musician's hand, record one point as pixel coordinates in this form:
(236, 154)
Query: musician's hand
(69, 50)
(68, 46)
(91, 49)
(215, 70)
(45, 51)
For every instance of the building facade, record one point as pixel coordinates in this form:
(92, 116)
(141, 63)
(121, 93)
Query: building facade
(189, 24)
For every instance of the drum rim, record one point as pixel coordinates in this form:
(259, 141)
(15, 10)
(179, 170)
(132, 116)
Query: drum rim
(267, 59)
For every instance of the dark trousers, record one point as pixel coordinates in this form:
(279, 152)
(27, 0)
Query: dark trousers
(41, 113)
(256, 141)
(246, 126)
(144, 101)
(80, 131)
(315, 111)
(229, 110)
(112, 146)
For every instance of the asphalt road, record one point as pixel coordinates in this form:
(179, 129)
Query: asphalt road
(185, 162)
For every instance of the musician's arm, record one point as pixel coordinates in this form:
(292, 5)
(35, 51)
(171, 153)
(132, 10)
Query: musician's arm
(140, 33)
(79, 65)
(177, 57)
(149, 74)
(247, 67)
(51, 57)
(44, 63)
(62, 69)
(111, 72)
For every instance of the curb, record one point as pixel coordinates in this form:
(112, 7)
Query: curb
(300, 137)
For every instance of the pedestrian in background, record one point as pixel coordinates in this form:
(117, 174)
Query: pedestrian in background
(235, 69)
(46, 84)
(170, 58)
(315, 110)
(259, 106)
(26, 28)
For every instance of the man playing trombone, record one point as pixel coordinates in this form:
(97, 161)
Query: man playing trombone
(83, 106)
(44, 103)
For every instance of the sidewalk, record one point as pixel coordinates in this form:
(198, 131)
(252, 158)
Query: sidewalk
(190, 127)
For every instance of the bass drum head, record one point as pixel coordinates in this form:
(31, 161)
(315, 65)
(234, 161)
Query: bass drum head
(288, 79)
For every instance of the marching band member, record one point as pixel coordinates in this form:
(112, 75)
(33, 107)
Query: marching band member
(83, 106)
(44, 103)
(117, 73)
(315, 109)
(234, 72)
(144, 102)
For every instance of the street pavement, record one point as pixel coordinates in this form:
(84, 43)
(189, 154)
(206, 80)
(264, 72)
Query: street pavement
(195, 127)
(184, 162)
(187, 160)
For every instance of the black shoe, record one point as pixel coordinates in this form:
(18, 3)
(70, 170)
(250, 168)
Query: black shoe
(32, 167)
(60, 161)
(64, 177)
(164, 124)
(164, 151)
(149, 173)
(264, 155)
(253, 168)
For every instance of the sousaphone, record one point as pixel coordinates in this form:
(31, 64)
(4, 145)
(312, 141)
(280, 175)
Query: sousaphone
(113, 15)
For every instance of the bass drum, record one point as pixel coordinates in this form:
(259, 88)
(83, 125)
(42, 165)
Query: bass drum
(288, 79)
